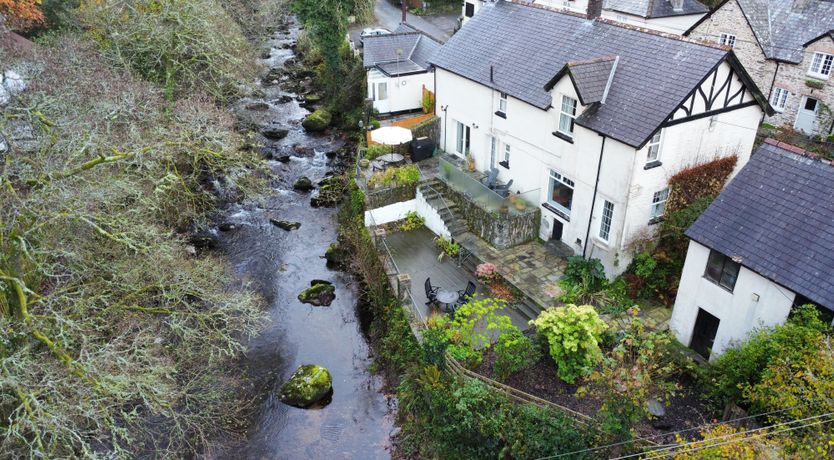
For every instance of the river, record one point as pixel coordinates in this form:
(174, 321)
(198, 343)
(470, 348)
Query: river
(358, 421)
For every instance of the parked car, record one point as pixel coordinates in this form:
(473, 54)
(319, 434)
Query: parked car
(372, 32)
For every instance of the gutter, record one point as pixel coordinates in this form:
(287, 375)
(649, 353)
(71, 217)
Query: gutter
(594, 199)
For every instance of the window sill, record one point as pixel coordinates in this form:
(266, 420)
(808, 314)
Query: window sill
(652, 165)
(504, 164)
(601, 243)
(818, 76)
(563, 136)
(725, 288)
(501, 114)
(655, 220)
(556, 211)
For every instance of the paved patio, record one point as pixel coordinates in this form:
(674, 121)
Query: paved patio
(534, 268)
(415, 253)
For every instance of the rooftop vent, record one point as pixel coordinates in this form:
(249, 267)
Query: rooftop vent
(677, 5)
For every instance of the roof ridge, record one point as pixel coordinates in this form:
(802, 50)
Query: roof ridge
(610, 57)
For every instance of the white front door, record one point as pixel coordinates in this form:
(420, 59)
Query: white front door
(379, 92)
(461, 139)
(806, 118)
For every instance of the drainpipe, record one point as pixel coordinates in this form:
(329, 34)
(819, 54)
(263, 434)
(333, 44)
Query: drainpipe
(594, 199)
(445, 124)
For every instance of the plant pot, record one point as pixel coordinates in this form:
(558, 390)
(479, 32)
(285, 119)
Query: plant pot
(520, 205)
(364, 163)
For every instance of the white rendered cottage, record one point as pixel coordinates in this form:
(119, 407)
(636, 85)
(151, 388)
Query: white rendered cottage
(764, 246)
(398, 69)
(592, 116)
(787, 46)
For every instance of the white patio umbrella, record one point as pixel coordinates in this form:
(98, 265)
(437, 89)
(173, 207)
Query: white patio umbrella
(391, 135)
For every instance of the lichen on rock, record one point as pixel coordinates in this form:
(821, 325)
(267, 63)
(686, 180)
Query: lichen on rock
(308, 385)
(317, 121)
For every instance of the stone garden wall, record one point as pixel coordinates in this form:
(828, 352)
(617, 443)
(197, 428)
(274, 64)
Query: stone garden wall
(500, 231)
(380, 197)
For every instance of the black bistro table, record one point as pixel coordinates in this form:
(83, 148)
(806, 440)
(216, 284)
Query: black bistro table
(447, 299)
(391, 158)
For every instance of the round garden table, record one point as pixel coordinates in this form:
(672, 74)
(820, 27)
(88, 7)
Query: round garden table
(447, 299)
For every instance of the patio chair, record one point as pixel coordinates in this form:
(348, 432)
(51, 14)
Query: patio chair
(465, 295)
(490, 179)
(503, 190)
(431, 292)
(377, 165)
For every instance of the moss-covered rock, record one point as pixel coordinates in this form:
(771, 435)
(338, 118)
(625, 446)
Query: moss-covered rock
(308, 385)
(319, 294)
(303, 184)
(317, 121)
(285, 224)
(274, 132)
(335, 256)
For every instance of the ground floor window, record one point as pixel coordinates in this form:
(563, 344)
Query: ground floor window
(561, 192)
(607, 218)
(382, 91)
(659, 203)
(779, 99)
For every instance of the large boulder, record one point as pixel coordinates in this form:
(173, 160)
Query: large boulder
(308, 385)
(336, 256)
(14, 82)
(317, 121)
(303, 184)
(274, 132)
(319, 294)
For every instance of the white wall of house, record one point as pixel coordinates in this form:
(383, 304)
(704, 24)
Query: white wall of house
(574, 6)
(535, 151)
(755, 302)
(390, 213)
(433, 220)
(403, 93)
(672, 25)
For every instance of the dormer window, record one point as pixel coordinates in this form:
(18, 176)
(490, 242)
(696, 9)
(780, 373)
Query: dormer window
(727, 39)
(567, 116)
(821, 65)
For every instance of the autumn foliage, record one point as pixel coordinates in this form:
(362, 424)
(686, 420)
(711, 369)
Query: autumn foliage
(21, 14)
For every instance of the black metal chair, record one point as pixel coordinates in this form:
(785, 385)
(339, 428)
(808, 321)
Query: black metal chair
(431, 292)
(465, 295)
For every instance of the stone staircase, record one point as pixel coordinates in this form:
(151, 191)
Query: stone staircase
(432, 191)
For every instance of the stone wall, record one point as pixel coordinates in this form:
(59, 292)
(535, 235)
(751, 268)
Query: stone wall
(381, 197)
(792, 77)
(429, 128)
(500, 231)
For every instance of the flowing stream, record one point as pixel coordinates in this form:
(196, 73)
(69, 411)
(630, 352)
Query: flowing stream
(358, 421)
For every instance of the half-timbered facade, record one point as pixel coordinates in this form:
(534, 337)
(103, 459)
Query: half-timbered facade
(592, 116)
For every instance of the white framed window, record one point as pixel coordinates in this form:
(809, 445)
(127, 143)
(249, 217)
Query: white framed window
(821, 65)
(502, 103)
(462, 140)
(561, 192)
(727, 39)
(506, 162)
(567, 115)
(653, 148)
(779, 99)
(382, 91)
(659, 203)
(607, 218)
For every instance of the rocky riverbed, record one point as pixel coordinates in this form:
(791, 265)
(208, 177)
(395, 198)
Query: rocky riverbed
(281, 261)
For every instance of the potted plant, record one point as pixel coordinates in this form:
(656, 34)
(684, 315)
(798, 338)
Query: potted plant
(470, 160)
(364, 163)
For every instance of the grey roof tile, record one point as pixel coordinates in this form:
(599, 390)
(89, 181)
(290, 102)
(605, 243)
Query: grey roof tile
(591, 77)
(654, 8)
(401, 52)
(526, 46)
(777, 216)
(782, 27)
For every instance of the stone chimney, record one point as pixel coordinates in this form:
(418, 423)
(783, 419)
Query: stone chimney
(594, 9)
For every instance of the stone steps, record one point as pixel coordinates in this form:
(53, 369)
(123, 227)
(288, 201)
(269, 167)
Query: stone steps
(449, 212)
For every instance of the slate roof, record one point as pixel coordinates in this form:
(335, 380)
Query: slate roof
(784, 27)
(526, 46)
(591, 78)
(777, 217)
(655, 8)
(416, 51)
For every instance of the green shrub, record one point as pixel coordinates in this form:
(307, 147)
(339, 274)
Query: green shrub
(434, 346)
(468, 332)
(742, 368)
(447, 247)
(514, 351)
(412, 221)
(586, 272)
(402, 175)
(376, 150)
(584, 282)
(572, 333)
